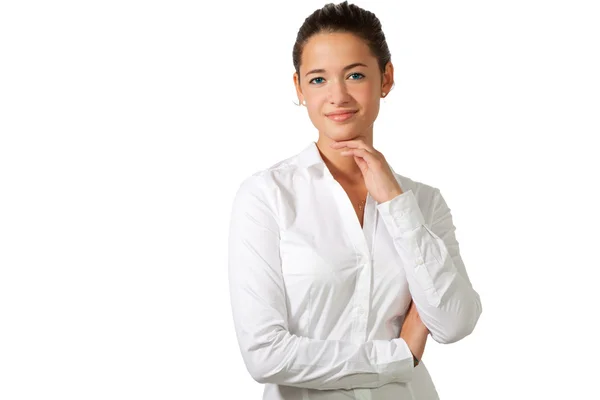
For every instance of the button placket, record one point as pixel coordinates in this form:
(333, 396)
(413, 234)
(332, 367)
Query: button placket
(362, 296)
(360, 239)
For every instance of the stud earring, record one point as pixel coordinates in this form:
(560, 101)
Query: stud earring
(304, 102)
(382, 94)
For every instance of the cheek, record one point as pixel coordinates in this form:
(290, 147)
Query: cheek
(363, 94)
(315, 104)
(316, 99)
(314, 113)
(367, 94)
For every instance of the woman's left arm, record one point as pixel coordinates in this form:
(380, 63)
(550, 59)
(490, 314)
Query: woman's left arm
(438, 281)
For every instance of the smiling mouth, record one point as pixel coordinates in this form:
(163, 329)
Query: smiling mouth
(341, 117)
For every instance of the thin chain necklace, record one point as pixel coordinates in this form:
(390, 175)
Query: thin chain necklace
(361, 205)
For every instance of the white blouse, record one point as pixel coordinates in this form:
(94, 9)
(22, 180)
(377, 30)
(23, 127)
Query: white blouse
(318, 301)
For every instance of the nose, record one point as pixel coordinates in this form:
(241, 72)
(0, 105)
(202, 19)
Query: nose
(338, 93)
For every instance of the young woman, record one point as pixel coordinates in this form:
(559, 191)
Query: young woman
(339, 267)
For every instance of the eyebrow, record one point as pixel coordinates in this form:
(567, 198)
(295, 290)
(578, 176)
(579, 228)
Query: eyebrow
(321, 70)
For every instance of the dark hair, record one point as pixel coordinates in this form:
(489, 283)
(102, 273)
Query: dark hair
(346, 18)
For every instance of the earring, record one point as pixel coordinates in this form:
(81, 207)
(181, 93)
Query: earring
(382, 94)
(304, 103)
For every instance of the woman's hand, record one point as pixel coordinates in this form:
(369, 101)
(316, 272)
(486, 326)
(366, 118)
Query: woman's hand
(414, 332)
(379, 178)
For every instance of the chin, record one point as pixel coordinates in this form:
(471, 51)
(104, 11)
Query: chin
(339, 133)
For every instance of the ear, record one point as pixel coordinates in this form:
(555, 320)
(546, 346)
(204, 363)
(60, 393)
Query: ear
(298, 88)
(387, 80)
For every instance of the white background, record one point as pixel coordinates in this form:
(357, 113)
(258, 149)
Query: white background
(127, 126)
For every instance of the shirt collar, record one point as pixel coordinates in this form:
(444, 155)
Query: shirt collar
(311, 156)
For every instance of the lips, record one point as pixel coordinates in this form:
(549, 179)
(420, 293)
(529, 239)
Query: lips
(341, 115)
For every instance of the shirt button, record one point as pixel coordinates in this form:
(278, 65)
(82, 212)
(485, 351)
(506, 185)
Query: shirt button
(419, 261)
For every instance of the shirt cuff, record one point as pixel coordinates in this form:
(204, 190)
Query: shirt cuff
(402, 214)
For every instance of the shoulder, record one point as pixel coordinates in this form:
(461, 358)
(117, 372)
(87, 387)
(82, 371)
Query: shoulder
(272, 180)
(428, 197)
(278, 175)
(420, 189)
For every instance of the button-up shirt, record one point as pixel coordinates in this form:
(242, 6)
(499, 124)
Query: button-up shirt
(318, 300)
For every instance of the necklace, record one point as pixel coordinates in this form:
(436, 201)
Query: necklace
(361, 205)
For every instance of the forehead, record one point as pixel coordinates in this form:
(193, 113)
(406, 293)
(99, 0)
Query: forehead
(335, 51)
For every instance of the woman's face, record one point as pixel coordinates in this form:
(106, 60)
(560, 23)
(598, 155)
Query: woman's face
(338, 73)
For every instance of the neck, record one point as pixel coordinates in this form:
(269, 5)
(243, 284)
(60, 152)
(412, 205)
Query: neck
(343, 168)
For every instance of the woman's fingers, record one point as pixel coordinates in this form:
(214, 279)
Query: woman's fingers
(354, 144)
(369, 157)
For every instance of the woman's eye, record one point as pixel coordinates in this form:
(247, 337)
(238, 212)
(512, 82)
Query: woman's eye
(357, 75)
(315, 79)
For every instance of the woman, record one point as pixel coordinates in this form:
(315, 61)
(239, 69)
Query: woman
(339, 267)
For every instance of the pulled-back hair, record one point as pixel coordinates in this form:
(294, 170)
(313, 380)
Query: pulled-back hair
(343, 18)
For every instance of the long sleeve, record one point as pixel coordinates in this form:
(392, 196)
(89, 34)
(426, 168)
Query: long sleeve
(271, 353)
(438, 281)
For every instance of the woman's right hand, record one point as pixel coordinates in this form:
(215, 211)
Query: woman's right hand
(414, 332)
